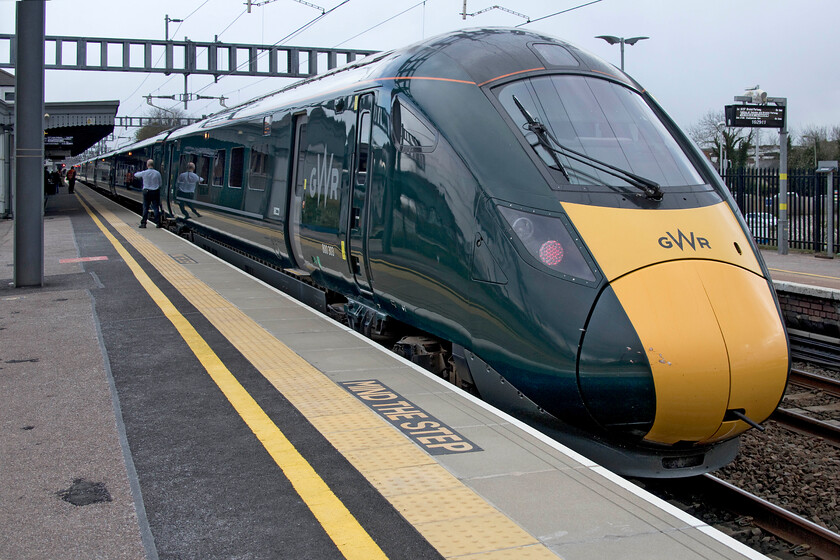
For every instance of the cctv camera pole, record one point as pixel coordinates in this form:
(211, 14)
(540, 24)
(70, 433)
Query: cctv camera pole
(828, 168)
(29, 144)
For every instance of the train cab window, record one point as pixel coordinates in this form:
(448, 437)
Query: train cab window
(599, 133)
(219, 168)
(237, 167)
(410, 132)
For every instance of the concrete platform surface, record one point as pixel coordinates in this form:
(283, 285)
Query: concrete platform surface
(83, 405)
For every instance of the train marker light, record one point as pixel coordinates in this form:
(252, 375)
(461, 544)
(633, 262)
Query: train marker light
(551, 253)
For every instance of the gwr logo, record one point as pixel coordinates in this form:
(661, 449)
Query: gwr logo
(683, 241)
(323, 179)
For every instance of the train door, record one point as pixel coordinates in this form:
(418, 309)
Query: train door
(357, 228)
(112, 177)
(297, 192)
(168, 174)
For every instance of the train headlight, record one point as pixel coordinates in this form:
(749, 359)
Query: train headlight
(547, 239)
(523, 227)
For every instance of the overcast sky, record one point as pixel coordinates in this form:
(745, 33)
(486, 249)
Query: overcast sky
(700, 53)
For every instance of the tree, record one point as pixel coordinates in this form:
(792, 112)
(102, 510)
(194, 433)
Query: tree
(161, 119)
(816, 143)
(710, 133)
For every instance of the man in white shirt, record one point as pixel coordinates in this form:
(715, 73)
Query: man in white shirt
(151, 191)
(186, 189)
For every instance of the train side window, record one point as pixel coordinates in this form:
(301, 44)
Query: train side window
(219, 168)
(182, 164)
(257, 170)
(364, 147)
(410, 132)
(203, 169)
(237, 167)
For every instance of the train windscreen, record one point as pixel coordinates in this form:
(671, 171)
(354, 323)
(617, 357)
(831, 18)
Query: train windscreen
(595, 132)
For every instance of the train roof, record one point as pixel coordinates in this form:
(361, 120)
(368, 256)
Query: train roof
(472, 56)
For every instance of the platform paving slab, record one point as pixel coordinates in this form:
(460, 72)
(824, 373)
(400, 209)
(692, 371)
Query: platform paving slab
(59, 434)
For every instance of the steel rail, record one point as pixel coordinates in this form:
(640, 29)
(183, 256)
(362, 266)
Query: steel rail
(817, 352)
(792, 528)
(808, 425)
(805, 379)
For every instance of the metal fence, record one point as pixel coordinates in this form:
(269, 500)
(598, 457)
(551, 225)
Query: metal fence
(756, 192)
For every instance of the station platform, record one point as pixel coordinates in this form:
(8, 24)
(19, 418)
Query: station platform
(803, 268)
(156, 402)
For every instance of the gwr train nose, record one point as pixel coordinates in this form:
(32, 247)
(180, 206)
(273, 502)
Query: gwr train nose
(710, 337)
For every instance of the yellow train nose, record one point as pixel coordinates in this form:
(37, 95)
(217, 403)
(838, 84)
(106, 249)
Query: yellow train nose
(715, 343)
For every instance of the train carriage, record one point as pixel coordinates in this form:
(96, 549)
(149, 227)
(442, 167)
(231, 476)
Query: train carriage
(561, 248)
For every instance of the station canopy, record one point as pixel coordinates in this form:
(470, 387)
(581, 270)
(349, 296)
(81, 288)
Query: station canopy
(70, 127)
(73, 127)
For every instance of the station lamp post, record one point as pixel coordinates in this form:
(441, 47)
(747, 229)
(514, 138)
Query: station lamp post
(612, 40)
(167, 19)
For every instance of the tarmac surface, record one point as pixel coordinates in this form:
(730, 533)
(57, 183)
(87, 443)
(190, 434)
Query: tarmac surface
(89, 363)
(116, 443)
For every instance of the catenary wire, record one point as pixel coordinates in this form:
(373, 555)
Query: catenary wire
(291, 35)
(302, 28)
(133, 93)
(558, 13)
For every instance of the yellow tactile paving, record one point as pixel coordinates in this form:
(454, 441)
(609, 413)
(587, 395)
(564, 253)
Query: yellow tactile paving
(421, 482)
(468, 535)
(340, 525)
(356, 440)
(379, 458)
(340, 423)
(456, 521)
(442, 505)
(534, 552)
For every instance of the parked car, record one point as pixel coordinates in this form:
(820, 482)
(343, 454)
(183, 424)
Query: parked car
(762, 225)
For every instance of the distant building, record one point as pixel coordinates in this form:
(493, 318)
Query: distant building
(7, 87)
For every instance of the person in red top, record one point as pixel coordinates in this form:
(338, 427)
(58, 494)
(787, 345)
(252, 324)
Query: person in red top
(71, 180)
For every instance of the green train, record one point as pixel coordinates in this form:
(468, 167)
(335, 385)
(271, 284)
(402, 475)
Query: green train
(514, 214)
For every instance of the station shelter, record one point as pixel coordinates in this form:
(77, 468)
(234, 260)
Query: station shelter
(70, 128)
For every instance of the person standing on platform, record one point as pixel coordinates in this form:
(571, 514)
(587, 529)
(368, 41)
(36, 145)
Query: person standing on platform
(151, 191)
(186, 188)
(55, 179)
(71, 180)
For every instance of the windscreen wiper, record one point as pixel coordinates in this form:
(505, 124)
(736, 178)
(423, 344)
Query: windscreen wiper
(539, 129)
(650, 188)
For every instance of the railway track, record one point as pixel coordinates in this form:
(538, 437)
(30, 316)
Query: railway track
(821, 542)
(821, 352)
(740, 513)
(706, 496)
(814, 381)
(804, 423)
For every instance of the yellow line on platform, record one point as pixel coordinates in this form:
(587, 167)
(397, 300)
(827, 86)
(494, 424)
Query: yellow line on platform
(803, 273)
(447, 513)
(341, 526)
